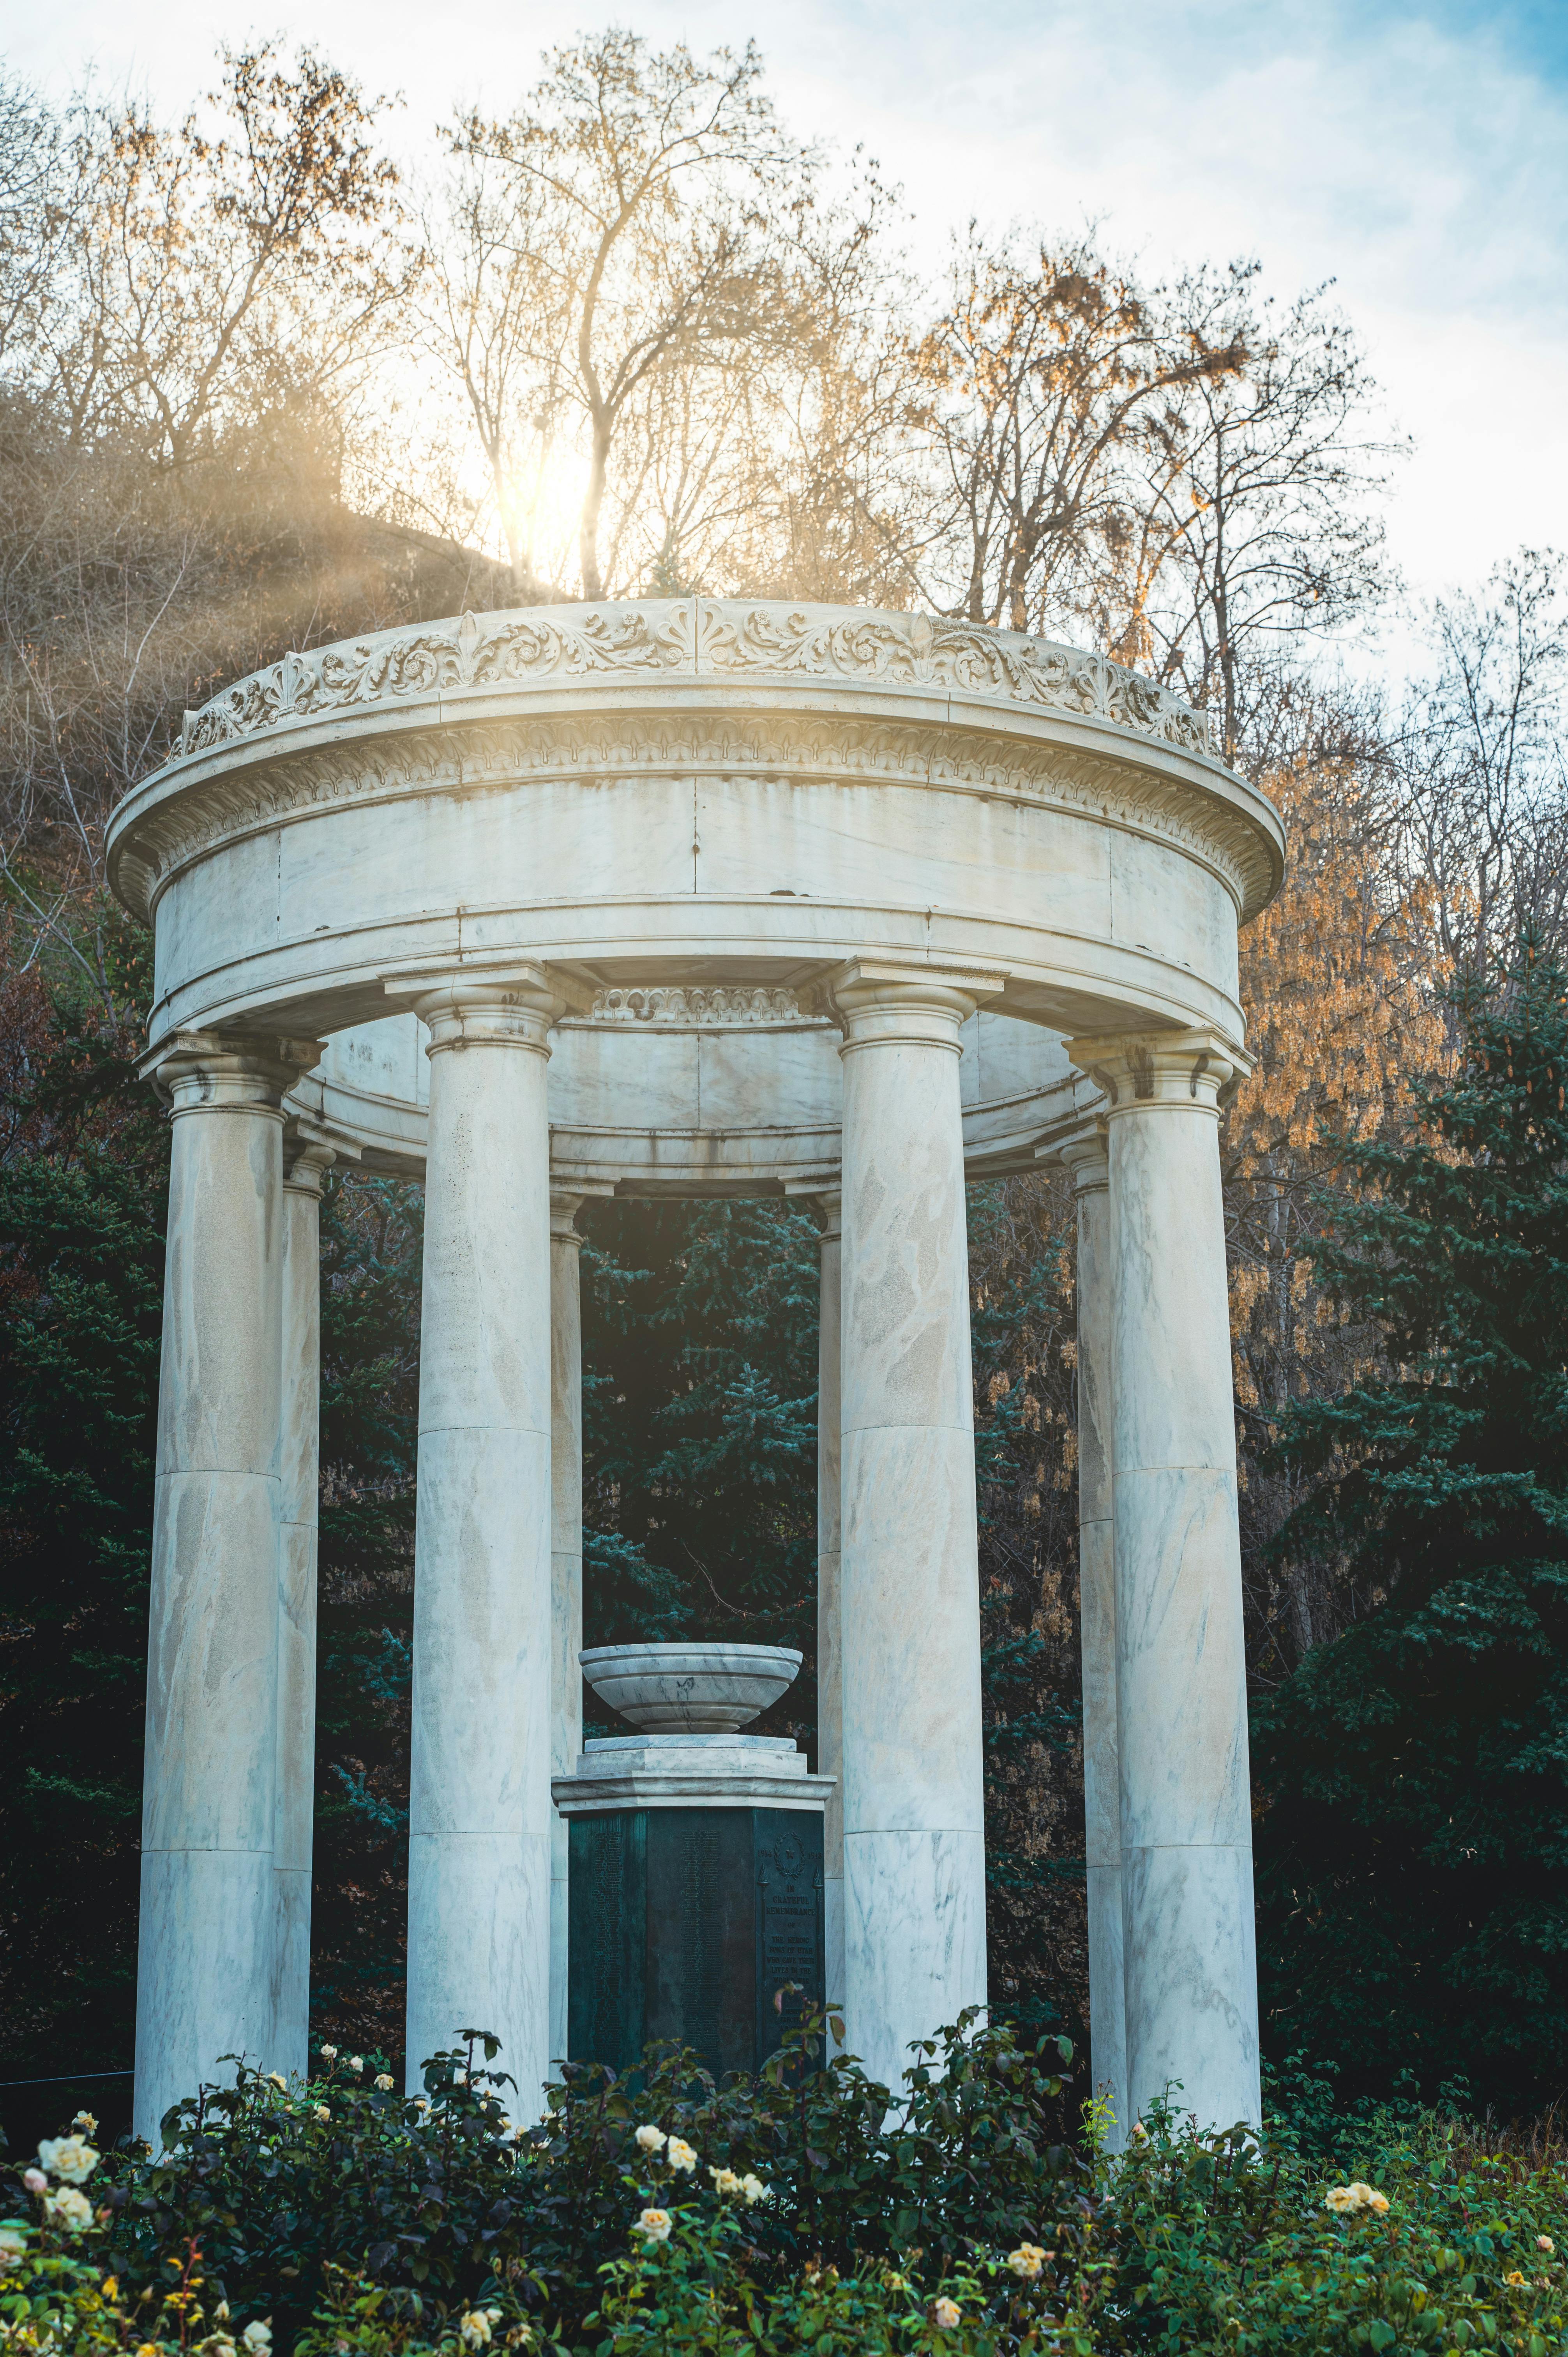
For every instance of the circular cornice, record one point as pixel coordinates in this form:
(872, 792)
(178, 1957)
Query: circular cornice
(691, 686)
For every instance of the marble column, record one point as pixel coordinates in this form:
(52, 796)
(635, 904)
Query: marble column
(306, 1164)
(914, 1843)
(565, 1569)
(1189, 1967)
(204, 1973)
(479, 1810)
(1087, 1159)
(830, 1682)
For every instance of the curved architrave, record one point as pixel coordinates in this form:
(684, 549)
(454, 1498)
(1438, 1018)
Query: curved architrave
(759, 1125)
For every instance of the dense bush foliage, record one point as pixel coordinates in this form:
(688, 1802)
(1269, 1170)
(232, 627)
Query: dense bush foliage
(662, 2213)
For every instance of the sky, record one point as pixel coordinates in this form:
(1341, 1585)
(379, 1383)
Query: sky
(1417, 157)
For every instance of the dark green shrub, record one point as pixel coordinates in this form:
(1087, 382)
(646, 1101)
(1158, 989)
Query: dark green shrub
(435, 2196)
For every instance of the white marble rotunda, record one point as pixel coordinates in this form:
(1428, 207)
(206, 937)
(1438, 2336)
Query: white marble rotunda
(688, 897)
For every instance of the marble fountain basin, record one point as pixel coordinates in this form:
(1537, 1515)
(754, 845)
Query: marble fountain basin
(690, 1689)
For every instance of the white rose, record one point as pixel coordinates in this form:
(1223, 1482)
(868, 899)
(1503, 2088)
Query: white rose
(679, 2154)
(329, 2054)
(12, 2240)
(726, 2182)
(653, 2226)
(356, 2061)
(754, 2189)
(86, 2123)
(322, 2113)
(475, 2327)
(71, 2157)
(276, 2079)
(650, 2138)
(384, 2082)
(69, 2209)
(946, 2314)
(35, 2181)
(258, 2336)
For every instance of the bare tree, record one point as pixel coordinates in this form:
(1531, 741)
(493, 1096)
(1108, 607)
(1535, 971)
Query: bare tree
(645, 183)
(1043, 373)
(212, 274)
(1483, 762)
(41, 195)
(495, 311)
(1257, 518)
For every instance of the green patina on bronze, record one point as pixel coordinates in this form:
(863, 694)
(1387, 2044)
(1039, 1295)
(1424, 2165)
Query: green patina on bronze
(699, 1925)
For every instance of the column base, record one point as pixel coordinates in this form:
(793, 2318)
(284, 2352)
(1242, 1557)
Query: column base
(1108, 2044)
(203, 1982)
(478, 1923)
(291, 1987)
(914, 1941)
(1191, 1982)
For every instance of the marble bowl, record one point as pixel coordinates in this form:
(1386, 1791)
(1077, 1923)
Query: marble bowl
(692, 1689)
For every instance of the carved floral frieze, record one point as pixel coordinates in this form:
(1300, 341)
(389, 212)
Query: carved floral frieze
(699, 638)
(722, 1006)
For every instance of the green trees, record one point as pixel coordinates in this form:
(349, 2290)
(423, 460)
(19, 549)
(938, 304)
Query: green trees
(1414, 1858)
(700, 1422)
(84, 1177)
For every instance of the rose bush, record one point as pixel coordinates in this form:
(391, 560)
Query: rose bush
(802, 2210)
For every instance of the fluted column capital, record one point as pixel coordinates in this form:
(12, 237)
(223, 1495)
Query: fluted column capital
(514, 1006)
(214, 1072)
(1193, 1070)
(881, 1000)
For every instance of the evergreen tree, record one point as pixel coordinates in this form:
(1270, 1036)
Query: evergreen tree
(83, 1185)
(700, 1430)
(1414, 1856)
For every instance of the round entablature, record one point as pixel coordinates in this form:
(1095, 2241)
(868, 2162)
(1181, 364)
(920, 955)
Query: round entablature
(694, 793)
(689, 1092)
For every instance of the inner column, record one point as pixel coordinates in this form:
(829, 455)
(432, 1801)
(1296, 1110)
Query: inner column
(914, 1843)
(298, 1503)
(479, 1814)
(1190, 1964)
(566, 1570)
(1087, 1159)
(830, 1674)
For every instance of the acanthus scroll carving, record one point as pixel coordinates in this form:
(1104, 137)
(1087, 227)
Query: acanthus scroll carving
(702, 636)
